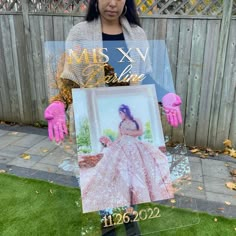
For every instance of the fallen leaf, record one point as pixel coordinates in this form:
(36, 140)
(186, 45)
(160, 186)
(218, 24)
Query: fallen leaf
(231, 185)
(51, 191)
(227, 143)
(233, 172)
(209, 150)
(232, 153)
(45, 150)
(14, 133)
(200, 188)
(227, 203)
(37, 192)
(212, 154)
(215, 220)
(173, 201)
(194, 150)
(226, 164)
(226, 152)
(25, 156)
(203, 156)
(67, 147)
(198, 153)
(2, 171)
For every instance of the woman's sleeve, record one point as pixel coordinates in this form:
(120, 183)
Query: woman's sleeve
(65, 87)
(64, 77)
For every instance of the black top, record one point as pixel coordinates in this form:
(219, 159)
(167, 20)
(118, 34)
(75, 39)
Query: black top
(112, 37)
(111, 42)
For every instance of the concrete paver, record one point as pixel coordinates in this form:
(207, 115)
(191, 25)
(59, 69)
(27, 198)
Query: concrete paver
(29, 140)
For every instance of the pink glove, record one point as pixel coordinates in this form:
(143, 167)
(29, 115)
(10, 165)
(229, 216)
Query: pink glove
(171, 104)
(56, 117)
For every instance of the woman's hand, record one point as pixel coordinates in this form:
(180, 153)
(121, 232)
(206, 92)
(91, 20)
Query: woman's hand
(171, 104)
(56, 117)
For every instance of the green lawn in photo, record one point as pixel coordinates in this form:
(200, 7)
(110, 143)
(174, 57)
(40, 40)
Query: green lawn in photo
(34, 207)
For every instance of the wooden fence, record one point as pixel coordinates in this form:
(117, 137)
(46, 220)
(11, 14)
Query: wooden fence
(202, 53)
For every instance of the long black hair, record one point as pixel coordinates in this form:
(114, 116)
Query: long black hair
(125, 109)
(131, 13)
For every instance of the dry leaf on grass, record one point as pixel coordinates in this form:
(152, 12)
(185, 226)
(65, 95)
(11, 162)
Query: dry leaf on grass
(44, 150)
(173, 201)
(2, 171)
(231, 185)
(215, 219)
(25, 156)
(51, 191)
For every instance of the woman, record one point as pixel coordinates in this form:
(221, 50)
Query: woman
(130, 172)
(105, 20)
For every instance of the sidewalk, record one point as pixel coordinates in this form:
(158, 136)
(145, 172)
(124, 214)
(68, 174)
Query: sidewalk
(208, 174)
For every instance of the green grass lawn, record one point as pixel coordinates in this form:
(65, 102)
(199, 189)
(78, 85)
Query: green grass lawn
(33, 207)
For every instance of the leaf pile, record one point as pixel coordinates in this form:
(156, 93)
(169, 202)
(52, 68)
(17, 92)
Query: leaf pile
(204, 152)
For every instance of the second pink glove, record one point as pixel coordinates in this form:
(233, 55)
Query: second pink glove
(56, 117)
(171, 104)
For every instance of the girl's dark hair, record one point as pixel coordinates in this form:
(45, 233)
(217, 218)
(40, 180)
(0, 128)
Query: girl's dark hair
(131, 13)
(125, 109)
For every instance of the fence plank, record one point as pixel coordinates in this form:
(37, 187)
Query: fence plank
(39, 81)
(68, 23)
(3, 77)
(215, 108)
(58, 28)
(21, 58)
(209, 64)
(31, 87)
(15, 90)
(49, 38)
(182, 75)
(228, 90)
(9, 80)
(232, 132)
(195, 79)
(44, 99)
(172, 42)
(160, 28)
(148, 28)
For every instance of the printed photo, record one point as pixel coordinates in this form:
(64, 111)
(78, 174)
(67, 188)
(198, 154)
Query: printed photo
(120, 147)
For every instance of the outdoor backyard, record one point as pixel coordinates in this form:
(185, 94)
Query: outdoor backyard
(40, 192)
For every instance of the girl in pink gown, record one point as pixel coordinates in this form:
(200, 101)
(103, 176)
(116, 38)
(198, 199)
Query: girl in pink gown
(130, 171)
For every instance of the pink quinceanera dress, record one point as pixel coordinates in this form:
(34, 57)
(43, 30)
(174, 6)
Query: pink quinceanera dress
(130, 172)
